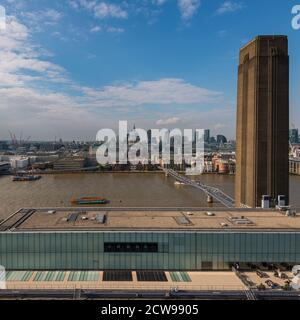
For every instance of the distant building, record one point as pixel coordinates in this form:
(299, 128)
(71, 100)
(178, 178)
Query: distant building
(3, 146)
(4, 167)
(69, 164)
(263, 121)
(221, 139)
(19, 162)
(294, 136)
(223, 163)
(295, 166)
(47, 158)
(42, 165)
(295, 151)
(206, 135)
(50, 146)
(212, 140)
(149, 136)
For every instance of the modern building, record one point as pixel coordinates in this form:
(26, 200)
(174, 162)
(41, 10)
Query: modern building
(294, 136)
(4, 146)
(19, 162)
(206, 135)
(4, 167)
(221, 139)
(212, 140)
(70, 239)
(263, 121)
(69, 164)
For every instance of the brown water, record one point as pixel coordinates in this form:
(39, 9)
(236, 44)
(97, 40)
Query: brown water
(122, 189)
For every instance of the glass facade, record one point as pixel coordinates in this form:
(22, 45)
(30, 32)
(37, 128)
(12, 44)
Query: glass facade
(175, 250)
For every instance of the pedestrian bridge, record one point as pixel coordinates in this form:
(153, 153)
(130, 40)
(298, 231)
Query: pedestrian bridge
(215, 193)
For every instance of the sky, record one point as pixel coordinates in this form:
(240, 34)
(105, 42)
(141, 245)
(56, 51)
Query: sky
(69, 68)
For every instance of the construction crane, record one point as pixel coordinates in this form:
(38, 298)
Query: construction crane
(13, 138)
(15, 142)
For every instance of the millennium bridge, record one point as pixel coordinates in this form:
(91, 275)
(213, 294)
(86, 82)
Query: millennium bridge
(210, 191)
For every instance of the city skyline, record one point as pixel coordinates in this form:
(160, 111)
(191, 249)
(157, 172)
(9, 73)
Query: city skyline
(69, 69)
(149, 149)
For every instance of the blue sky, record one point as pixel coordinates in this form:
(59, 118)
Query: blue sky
(69, 68)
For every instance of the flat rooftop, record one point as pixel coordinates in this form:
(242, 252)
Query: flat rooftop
(97, 219)
(93, 280)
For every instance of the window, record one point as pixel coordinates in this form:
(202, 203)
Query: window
(130, 247)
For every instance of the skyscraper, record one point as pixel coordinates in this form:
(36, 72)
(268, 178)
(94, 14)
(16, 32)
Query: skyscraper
(221, 139)
(263, 120)
(206, 135)
(294, 136)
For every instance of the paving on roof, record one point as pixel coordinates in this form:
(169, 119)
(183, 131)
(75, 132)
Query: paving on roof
(42, 220)
(93, 280)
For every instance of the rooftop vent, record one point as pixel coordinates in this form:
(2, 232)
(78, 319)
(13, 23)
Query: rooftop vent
(291, 213)
(241, 221)
(101, 218)
(183, 221)
(72, 217)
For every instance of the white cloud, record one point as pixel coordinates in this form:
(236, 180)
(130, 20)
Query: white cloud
(220, 119)
(51, 14)
(188, 8)
(18, 57)
(167, 121)
(160, 92)
(28, 101)
(14, 35)
(100, 9)
(115, 30)
(229, 6)
(159, 2)
(104, 10)
(58, 35)
(95, 29)
(2, 18)
(74, 4)
(15, 5)
(46, 17)
(43, 114)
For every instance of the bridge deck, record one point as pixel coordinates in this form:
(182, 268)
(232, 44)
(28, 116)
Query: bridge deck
(216, 193)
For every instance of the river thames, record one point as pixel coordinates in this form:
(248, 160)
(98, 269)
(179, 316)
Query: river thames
(122, 189)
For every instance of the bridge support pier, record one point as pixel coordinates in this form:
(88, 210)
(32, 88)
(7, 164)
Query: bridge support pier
(209, 199)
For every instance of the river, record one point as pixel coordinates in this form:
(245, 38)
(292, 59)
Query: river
(122, 189)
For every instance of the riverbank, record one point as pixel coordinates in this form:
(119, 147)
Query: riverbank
(114, 172)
